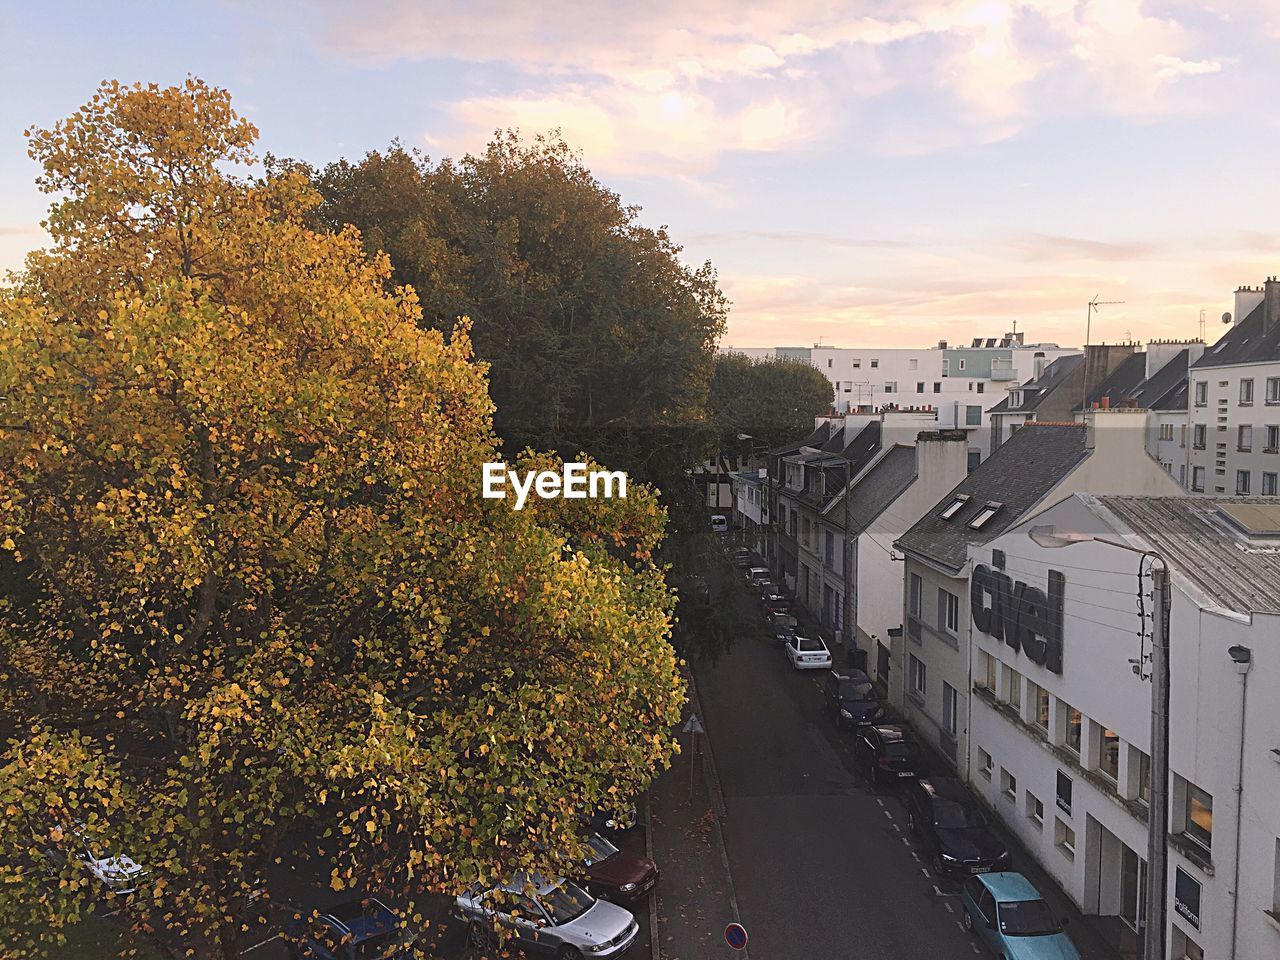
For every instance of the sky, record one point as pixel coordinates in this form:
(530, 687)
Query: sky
(879, 173)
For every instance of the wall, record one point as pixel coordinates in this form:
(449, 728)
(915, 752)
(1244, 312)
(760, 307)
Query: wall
(1222, 417)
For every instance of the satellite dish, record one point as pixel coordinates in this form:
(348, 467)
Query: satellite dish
(1226, 317)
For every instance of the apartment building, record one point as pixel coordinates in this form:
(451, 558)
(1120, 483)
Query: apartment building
(1235, 402)
(1037, 466)
(1060, 717)
(751, 507)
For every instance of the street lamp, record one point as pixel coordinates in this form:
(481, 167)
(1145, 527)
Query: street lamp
(1054, 537)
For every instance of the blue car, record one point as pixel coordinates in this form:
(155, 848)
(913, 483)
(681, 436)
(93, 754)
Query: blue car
(359, 930)
(1013, 920)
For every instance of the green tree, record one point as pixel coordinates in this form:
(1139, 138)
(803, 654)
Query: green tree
(250, 583)
(772, 401)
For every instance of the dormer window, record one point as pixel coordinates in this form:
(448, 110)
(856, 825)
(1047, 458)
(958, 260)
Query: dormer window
(985, 514)
(954, 506)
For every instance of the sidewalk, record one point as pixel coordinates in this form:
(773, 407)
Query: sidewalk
(695, 900)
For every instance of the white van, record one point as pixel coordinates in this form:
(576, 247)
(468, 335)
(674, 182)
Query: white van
(719, 523)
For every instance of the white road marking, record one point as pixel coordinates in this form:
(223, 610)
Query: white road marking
(972, 946)
(961, 926)
(941, 894)
(879, 801)
(950, 908)
(914, 856)
(898, 828)
(925, 872)
(907, 843)
(258, 945)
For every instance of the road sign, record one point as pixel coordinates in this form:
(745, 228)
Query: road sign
(693, 725)
(735, 935)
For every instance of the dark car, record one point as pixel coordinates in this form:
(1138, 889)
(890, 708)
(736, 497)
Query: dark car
(610, 822)
(356, 930)
(781, 626)
(744, 558)
(617, 875)
(887, 753)
(851, 698)
(953, 828)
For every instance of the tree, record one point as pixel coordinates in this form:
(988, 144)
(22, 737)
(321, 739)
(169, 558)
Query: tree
(250, 585)
(772, 401)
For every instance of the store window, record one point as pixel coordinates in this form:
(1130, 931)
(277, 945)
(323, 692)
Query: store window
(1013, 689)
(1198, 815)
(1109, 757)
(1075, 723)
(984, 675)
(1038, 700)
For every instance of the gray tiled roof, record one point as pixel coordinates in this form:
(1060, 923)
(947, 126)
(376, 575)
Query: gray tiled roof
(1047, 382)
(1202, 546)
(1244, 343)
(875, 490)
(1018, 475)
(1128, 382)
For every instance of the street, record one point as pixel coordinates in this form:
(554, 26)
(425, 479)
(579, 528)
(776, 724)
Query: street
(822, 864)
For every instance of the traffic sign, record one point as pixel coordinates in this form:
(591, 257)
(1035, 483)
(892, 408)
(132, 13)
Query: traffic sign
(735, 935)
(693, 725)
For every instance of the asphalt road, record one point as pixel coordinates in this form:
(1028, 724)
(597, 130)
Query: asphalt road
(822, 863)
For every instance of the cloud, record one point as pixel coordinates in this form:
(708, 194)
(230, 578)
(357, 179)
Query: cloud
(1042, 246)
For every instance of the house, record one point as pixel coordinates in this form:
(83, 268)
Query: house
(1037, 466)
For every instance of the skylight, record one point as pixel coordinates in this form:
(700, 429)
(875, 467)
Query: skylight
(954, 506)
(985, 514)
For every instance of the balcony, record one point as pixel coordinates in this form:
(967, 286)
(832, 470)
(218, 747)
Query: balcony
(1003, 370)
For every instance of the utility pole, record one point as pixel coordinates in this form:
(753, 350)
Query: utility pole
(848, 631)
(1158, 807)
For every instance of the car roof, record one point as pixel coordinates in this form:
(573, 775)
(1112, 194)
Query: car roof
(855, 675)
(522, 882)
(945, 788)
(1008, 886)
(890, 732)
(364, 918)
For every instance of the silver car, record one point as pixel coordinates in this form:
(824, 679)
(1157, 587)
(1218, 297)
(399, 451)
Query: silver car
(553, 918)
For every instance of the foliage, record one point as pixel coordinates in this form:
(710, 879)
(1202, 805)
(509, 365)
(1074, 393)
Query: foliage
(251, 589)
(772, 401)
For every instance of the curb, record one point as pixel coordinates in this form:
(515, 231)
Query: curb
(655, 949)
(717, 800)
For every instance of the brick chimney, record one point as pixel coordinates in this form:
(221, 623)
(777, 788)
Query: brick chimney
(1270, 304)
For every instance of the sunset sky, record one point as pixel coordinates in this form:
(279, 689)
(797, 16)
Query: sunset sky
(860, 173)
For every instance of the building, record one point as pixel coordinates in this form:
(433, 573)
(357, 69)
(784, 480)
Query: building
(751, 508)
(1235, 402)
(1060, 719)
(1039, 465)
(960, 383)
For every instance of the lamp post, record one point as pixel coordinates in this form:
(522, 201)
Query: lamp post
(1158, 806)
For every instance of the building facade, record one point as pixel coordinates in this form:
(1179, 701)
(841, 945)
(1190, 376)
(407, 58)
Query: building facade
(1060, 719)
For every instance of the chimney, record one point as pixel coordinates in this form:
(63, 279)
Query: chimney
(1270, 304)
(1246, 299)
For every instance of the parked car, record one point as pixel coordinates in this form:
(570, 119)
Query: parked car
(851, 698)
(1012, 919)
(615, 874)
(887, 753)
(553, 918)
(356, 930)
(719, 523)
(953, 828)
(755, 575)
(611, 822)
(743, 558)
(118, 873)
(781, 626)
(807, 653)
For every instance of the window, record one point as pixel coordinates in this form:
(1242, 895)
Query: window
(857, 364)
(1064, 792)
(829, 551)
(982, 387)
(1246, 391)
(948, 611)
(985, 763)
(828, 362)
(1273, 389)
(1144, 777)
(1197, 479)
(1275, 885)
(891, 386)
(1242, 483)
(913, 363)
(1184, 947)
(914, 594)
(1013, 689)
(954, 506)
(986, 513)
(1198, 816)
(1038, 701)
(949, 709)
(1064, 838)
(1186, 896)
(1268, 484)
(1008, 785)
(1166, 431)
(919, 386)
(937, 387)
(984, 674)
(1273, 438)
(972, 415)
(874, 364)
(961, 364)
(916, 669)
(1075, 721)
(1198, 436)
(1202, 392)
(1244, 438)
(1109, 758)
(1035, 809)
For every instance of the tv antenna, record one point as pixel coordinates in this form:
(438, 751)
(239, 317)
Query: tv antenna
(1094, 304)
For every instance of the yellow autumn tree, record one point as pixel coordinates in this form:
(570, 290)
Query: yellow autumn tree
(249, 589)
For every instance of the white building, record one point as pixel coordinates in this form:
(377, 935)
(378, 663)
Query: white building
(1036, 467)
(750, 507)
(1235, 402)
(1060, 721)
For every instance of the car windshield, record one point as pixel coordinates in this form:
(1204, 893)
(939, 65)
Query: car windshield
(856, 690)
(566, 902)
(784, 620)
(808, 643)
(899, 748)
(1028, 918)
(598, 848)
(377, 947)
(951, 815)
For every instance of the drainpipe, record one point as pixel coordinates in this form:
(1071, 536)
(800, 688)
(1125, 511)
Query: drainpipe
(1242, 657)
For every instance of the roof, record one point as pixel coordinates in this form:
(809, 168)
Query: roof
(1018, 475)
(1129, 382)
(1245, 343)
(946, 788)
(1205, 542)
(1050, 378)
(873, 492)
(1008, 886)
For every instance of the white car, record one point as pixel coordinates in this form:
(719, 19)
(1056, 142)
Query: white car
(757, 575)
(119, 873)
(807, 653)
(553, 917)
